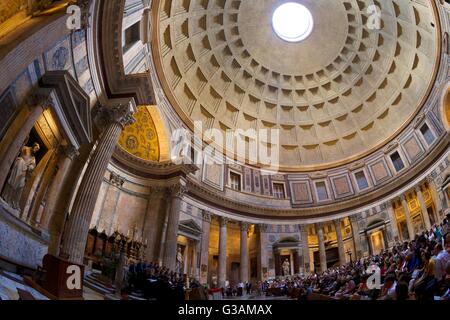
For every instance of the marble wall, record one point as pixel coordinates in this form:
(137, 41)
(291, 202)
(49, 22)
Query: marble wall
(122, 204)
(69, 53)
(20, 243)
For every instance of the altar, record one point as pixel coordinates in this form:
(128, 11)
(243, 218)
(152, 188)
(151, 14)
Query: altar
(288, 259)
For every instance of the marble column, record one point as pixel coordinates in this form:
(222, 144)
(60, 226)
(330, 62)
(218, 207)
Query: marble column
(244, 252)
(154, 221)
(408, 217)
(65, 196)
(113, 120)
(263, 268)
(195, 259)
(177, 193)
(204, 251)
(393, 222)
(66, 156)
(356, 237)
(298, 266)
(18, 132)
(162, 240)
(305, 248)
(322, 250)
(435, 196)
(222, 272)
(423, 207)
(340, 241)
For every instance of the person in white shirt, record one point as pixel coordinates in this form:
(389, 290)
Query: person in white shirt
(441, 258)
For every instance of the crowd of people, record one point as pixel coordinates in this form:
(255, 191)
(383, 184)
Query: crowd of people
(417, 269)
(237, 291)
(154, 282)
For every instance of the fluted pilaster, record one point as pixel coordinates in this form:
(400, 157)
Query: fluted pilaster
(356, 237)
(263, 259)
(435, 195)
(322, 250)
(177, 191)
(340, 241)
(66, 155)
(305, 248)
(204, 252)
(222, 272)
(423, 207)
(393, 222)
(407, 217)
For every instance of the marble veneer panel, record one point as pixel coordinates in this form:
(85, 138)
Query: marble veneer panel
(19, 243)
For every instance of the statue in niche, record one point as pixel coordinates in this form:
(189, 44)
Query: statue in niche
(179, 265)
(286, 267)
(20, 172)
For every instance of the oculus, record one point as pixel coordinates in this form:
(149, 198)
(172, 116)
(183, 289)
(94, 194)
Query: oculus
(292, 22)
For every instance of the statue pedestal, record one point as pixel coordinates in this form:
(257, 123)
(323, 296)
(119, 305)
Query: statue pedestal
(59, 279)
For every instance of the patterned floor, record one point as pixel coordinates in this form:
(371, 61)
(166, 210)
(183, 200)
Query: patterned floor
(10, 282)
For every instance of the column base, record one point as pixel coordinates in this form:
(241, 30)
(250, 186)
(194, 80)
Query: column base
(59, 279)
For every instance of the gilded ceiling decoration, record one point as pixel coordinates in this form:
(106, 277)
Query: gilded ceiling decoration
(141, 139)
(335, 97)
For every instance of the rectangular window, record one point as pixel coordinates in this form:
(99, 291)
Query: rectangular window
(131, 36)
(322, 193)
(397, 161)
(427, 134)
(361, 180)
(235, 181)
(278, 191)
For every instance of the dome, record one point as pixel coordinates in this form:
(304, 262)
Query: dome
(345, 90)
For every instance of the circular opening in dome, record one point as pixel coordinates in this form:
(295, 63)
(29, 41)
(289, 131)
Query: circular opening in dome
(292, 22)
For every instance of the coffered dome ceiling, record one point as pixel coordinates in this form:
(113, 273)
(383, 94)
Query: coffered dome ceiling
(335, 96)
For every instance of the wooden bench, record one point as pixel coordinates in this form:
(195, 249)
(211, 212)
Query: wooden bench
(318, 297)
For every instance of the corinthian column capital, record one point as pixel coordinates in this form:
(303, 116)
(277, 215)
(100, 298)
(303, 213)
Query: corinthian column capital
(206, 216)
(337, 223)
(418, 189)
(68, 151)
(178, 190)
(158, 190)
(121, 113)
(223, 221)
(263, 228)
(244, 226)
(40, 98)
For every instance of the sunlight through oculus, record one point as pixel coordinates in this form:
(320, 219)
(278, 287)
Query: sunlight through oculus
(292, 22)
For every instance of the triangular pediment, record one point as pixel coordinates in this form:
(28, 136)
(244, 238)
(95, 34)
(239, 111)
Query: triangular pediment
(190, 226)
(73, 110)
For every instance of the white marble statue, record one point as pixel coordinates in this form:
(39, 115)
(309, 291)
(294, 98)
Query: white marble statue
(180, 261)
(286, 266)
(21, 170)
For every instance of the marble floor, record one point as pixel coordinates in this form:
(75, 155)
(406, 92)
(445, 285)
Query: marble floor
(10, 282)
(256, 297)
